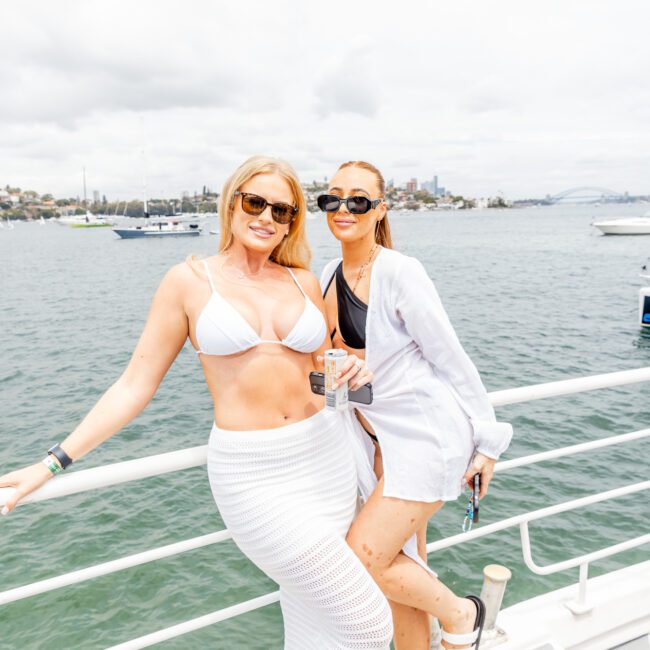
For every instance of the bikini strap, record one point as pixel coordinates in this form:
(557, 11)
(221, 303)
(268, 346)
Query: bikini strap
(207, 272)
(295, 279)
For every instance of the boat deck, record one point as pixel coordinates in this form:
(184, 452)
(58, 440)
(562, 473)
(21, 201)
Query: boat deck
(619, 616)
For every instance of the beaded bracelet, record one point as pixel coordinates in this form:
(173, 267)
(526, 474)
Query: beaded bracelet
(52, 465)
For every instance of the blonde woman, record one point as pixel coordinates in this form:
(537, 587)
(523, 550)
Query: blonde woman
(279, 465)
(431, 422)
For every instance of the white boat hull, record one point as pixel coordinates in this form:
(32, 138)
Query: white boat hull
(129, 233)
(636, 226)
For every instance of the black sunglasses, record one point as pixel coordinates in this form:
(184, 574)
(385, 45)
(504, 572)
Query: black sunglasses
(355, 204)
(254, 205)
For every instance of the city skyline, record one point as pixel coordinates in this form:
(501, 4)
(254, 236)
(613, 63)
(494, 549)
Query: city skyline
(475, 93)
(411, 186)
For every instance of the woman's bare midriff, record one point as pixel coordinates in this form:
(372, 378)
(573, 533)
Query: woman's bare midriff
(263, 388)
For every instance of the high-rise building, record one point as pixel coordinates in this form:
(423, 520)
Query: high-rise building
(412, 185)
(431, 186)
(95, 196)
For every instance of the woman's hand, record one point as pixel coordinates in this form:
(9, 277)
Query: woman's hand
(24, 481)
(355, 371)
(484, 466)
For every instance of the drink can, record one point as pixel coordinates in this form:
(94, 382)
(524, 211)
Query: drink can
(335, 400)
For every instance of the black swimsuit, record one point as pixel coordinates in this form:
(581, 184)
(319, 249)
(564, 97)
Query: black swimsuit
(352, 312)
(352, 315)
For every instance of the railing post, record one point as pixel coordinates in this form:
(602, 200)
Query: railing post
(495, 579)
(580, 606)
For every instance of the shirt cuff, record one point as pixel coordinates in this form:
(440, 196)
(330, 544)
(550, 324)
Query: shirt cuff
(491, 438)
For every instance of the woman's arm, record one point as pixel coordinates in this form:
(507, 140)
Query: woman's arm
(163, 337)
(427, 322)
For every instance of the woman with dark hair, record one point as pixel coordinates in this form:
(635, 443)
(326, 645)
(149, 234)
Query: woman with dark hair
(430, 427)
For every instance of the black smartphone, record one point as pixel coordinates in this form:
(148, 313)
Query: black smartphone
(475, 496)
(362, 395)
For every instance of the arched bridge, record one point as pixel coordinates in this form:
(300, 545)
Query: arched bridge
(586, 195)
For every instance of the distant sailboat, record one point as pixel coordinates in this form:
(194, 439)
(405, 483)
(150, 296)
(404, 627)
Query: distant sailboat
(170, 227)
(88, 220)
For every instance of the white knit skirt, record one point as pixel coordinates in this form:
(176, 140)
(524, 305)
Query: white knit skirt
(288, 496)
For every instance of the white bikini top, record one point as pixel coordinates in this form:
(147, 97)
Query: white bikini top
(222, 330)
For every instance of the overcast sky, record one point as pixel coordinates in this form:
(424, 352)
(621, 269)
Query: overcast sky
(521, 97)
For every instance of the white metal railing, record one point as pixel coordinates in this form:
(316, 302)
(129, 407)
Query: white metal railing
(85, 480)
(184, 546)
(131, 470)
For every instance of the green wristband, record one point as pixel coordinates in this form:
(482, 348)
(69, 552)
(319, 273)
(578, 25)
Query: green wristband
(52, 465)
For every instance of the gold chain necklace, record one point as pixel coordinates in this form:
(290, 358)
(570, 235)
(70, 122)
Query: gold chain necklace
(362, 270)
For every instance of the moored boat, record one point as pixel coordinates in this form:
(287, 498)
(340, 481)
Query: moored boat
(628, 226)
(87, 220)
(170, 228)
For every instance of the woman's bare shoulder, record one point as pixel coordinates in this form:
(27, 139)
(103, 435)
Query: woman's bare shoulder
(307, 279)
(183, 276)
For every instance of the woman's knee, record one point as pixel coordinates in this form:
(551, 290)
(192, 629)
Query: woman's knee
(374, 561)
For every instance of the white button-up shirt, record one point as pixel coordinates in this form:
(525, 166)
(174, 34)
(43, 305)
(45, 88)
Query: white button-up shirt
(430, 410)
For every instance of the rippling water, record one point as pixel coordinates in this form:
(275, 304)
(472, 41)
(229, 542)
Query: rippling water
(535, 295)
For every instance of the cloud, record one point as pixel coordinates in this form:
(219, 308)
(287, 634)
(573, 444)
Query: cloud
(520, 97)
(488, 95)
(350, 87)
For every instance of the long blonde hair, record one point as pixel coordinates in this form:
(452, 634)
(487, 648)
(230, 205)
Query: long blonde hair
(293, 250)
(382, 230)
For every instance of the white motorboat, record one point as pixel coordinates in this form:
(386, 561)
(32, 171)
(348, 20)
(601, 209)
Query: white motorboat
(87, 220)
(170, 228)
(627, 226)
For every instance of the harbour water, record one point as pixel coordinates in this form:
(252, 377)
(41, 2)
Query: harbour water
(535, 295)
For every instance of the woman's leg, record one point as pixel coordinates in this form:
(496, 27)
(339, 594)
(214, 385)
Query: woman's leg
(411, 625)
(412, 629)
(287, 496)
(377, 536)
(328, 601)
